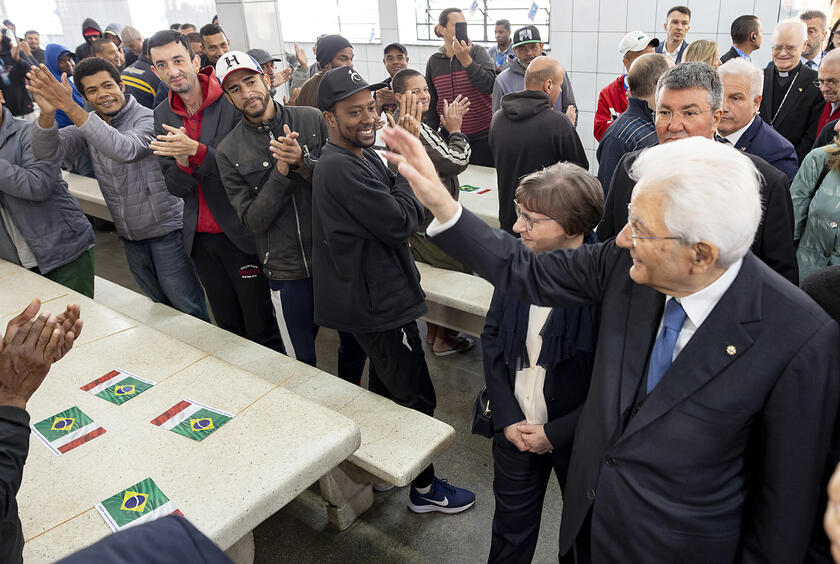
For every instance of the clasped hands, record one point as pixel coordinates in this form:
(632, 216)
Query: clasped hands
(175, 143)
(528, 438)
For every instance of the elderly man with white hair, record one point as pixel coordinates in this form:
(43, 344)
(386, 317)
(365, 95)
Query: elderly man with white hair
(742, 127)
(791, 103)
(689, 99)
(706, 427)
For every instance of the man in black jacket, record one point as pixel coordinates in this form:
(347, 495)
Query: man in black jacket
(528, 134)
(190, 127)
(366, 282)
(688, 104)
(275, 202)
(790, 102)
(31, 344)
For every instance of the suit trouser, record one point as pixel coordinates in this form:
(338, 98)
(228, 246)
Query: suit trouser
(294, 307)
(236, 289)
(519, 483)
(398, 372)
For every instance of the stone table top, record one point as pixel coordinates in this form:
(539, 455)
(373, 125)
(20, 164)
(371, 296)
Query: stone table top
(277, 444)
(482, 203)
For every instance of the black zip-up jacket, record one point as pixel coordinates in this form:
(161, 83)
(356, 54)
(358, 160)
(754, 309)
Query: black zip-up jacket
(277, 208)
(364, 275)
(14, 447)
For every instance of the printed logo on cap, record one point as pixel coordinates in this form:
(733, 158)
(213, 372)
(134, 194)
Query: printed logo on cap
(231, 60)
(525, 34)
(354, 76)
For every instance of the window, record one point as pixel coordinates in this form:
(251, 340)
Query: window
(358, 20)
(482, 21)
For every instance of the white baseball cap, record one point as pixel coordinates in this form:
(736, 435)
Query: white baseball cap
(234, 61)
(633, 41)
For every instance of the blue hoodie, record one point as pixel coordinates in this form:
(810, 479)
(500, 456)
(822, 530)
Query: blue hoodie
(51, 56)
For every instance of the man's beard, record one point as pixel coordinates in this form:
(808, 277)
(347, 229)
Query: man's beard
(266, 99)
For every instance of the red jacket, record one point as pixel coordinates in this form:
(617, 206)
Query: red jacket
(210, 92)
(612, 101)
(827, 115)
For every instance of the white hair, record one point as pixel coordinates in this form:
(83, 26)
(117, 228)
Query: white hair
(792, 23)
(712, 193)
(739, 67)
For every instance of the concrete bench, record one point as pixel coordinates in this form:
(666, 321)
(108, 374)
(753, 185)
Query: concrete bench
(484, 201)
(396, 443)
(455, 299)
(86, 191)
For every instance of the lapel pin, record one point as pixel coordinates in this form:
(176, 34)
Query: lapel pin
(731, 350)
(800, 90)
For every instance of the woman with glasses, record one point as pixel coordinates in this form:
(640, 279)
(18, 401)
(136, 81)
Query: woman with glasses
(538, 361)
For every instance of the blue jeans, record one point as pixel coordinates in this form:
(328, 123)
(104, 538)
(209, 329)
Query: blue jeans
(166, 274)
(294, 307)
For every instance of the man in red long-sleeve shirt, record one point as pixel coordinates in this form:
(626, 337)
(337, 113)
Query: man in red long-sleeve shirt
(612, 101)
(190, 126)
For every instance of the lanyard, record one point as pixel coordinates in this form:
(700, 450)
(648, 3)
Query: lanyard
(783, 99)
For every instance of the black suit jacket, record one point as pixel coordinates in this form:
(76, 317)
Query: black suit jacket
(827, 134)
(773, 240)
(731, 54)
(722, 462)
(797, 118)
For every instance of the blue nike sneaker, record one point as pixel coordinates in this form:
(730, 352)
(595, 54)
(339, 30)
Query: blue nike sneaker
(442, 497)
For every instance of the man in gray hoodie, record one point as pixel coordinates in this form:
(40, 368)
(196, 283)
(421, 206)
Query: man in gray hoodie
(527, 46)
(116, 135)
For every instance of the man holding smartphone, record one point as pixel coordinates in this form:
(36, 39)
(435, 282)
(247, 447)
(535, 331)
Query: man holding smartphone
(461, 68)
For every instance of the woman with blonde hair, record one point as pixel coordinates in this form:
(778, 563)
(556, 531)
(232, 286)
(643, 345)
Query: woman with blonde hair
(702, 51)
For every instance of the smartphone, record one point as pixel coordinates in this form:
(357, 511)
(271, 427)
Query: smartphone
(11, 35)
(461, 32)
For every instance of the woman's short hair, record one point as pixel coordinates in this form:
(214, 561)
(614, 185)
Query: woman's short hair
(566, 193)
(711, 193)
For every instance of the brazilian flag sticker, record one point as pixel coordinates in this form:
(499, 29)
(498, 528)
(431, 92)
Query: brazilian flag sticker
(141, 503)
(192, 419)
(118, 386)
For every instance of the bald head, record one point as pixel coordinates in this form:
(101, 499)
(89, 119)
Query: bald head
(832, 57)
(545, 74)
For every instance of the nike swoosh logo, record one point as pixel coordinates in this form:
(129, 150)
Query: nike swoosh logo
(443, 503)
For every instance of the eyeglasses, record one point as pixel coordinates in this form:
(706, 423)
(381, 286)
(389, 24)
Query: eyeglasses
(788, 48)
(831, 82)
(634, 233)
(663, 116)
(529, 221)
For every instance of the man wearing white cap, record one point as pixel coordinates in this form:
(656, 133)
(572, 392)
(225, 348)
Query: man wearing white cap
(612, 100)
(266, 164)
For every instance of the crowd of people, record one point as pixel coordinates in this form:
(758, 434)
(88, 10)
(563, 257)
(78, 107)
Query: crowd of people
(648, 340)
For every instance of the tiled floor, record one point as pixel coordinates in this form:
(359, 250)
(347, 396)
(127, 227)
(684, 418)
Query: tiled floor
(388, 532)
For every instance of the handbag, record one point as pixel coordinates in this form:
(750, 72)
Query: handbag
(482, 423)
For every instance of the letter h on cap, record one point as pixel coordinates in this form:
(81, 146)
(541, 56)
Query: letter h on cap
(228, 60)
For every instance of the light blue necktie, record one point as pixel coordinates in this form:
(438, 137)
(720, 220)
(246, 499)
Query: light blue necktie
(663, 349)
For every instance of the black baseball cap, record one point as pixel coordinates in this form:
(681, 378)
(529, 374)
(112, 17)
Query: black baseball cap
(397, 46)
(340, 83)
(527, 34)
(262, 56)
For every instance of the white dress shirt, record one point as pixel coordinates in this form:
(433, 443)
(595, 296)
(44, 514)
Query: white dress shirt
(700, 304)
(735, 136)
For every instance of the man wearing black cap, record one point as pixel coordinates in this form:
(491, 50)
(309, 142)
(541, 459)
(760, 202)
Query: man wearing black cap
(527, 46)
(331, 51)
(395, 60)
(366, 282)
(266, 62)
(275, 202)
